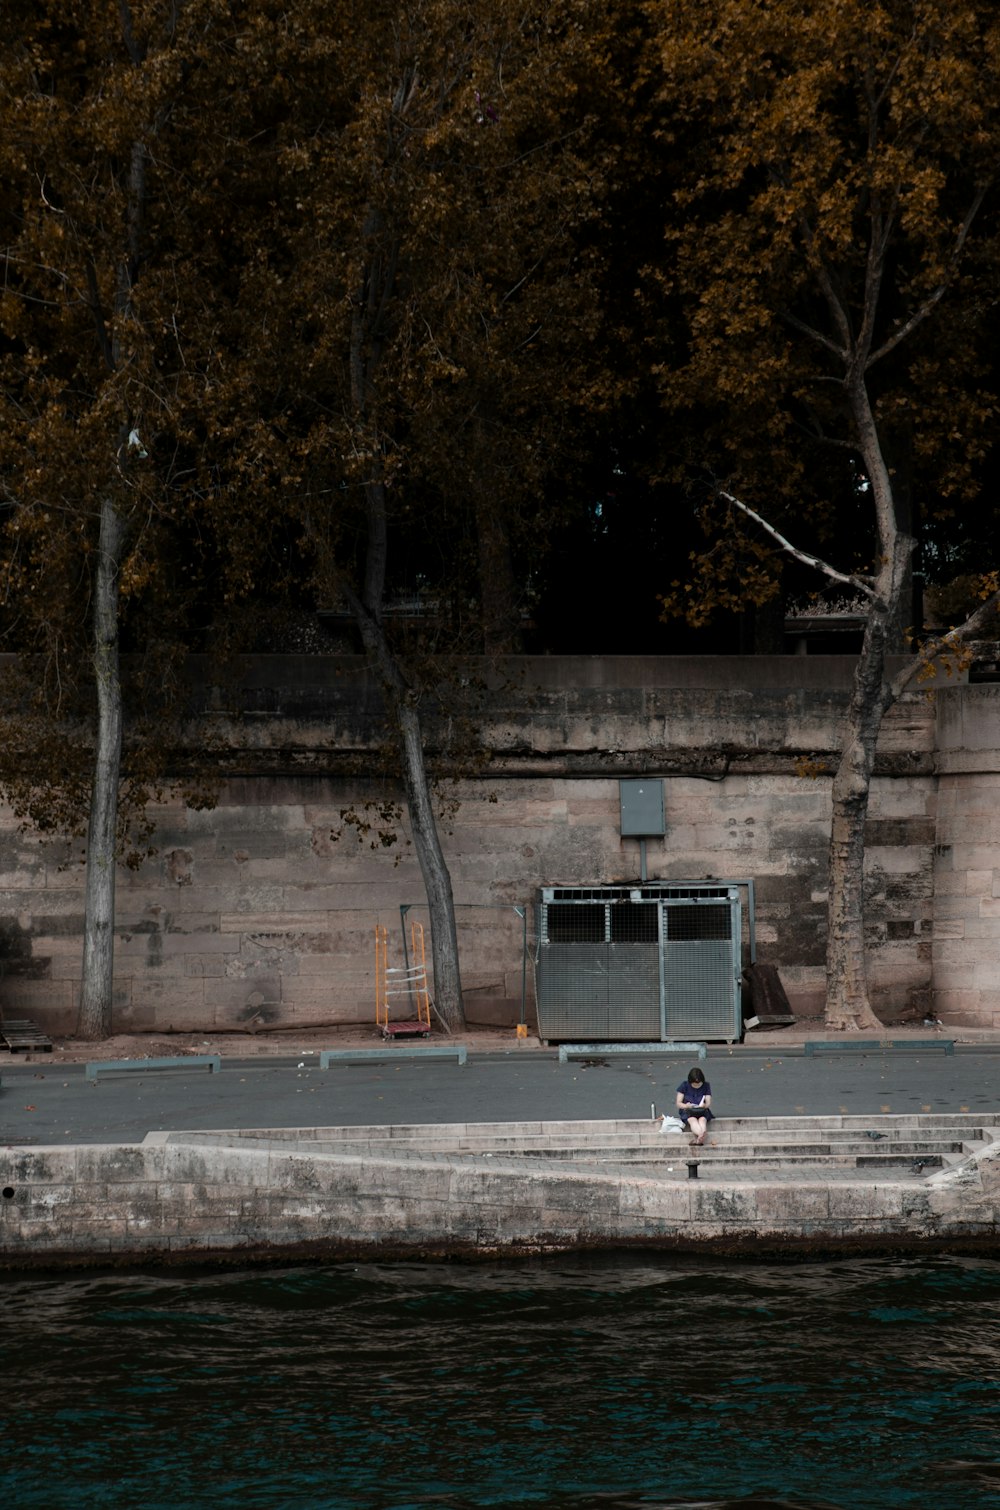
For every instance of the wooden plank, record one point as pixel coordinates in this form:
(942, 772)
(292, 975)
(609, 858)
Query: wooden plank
(23, 1036)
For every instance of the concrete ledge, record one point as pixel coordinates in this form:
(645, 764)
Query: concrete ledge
(171, 1062)
(396, 1051)
(192, 1196)
(595, 1050)
(878, 1045)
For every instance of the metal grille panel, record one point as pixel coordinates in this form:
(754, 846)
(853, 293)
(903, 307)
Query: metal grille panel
(600, 990)
(634, 991)
(698, 986)
(573, 984)
(639, 963)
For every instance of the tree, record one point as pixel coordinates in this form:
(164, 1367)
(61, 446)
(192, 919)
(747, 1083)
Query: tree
(833, 171)
(93, 387)
(418, 187)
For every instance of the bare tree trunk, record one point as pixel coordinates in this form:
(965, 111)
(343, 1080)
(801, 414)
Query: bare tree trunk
(368, 333)
(848, 1005)
(409, 736)
(426, 840)
(97, 982)
(437, 879)
(847, 1001)
(96, 987)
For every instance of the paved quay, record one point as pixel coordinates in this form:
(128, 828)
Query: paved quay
(46, 1100)
(510, 1151)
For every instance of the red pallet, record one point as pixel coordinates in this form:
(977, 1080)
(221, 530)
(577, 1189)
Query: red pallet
(405, 1030)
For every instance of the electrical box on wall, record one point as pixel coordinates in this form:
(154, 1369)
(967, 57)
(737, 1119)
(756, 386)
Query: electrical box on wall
(642, 809)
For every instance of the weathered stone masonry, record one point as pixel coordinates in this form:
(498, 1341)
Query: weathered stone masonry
(255, 913)
(203, 1195)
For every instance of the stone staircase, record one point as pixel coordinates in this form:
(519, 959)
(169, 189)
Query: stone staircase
(807, 1147)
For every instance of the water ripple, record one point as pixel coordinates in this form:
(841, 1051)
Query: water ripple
(592, 1383)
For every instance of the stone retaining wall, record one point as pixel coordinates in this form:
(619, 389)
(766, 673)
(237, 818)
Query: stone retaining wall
(261, 912)
(171, 1200)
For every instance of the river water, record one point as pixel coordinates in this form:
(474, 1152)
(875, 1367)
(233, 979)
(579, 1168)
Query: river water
(610, 1383)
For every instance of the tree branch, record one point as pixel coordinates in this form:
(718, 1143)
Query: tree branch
(858, 583)
(919, 315)
(816, 432)
(882, 222)
(813, 334)
(97, 310)
(834, 302)
(136, 50)
(943, 644)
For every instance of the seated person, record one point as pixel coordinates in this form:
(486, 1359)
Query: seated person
(694, 1105)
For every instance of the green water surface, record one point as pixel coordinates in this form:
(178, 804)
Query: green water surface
(592, 1382)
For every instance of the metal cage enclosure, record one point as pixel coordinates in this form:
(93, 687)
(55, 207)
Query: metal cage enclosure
(659, 961)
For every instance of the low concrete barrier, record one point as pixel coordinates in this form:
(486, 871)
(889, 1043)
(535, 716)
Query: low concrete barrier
(637, 1050)
(878, 1045)
(167, 1062)
(395, 1051)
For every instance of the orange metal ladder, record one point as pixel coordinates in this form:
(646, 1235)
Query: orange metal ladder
(409, 981)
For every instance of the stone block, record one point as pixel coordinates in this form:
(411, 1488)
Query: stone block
(966, 857)
(723, 1205)
(641, 1200)
(221, 1166)
(955, 1000)
(951, 905)
(988, 1003)
(134, 1016)
(177, 944)
(229, 821)
(200, 966)
(256, 965)
(274, 923)
(64, 882)
(312, 1000)
(982, 933)
(898, 862)
(52, 1202)
(913, 799)
(885, 833)
(188, 923)
(25, 878)
(171, 1000)
(33, 1167)
(952, 975)
(43, 1235)
(788, 1207)
(854, 1202)
(972, 828)
(107, 1165)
